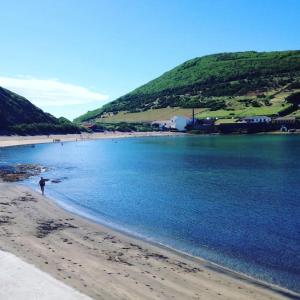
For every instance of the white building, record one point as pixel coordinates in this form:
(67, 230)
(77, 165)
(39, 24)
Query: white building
(177, 122)
(180, 122)
(257, 119)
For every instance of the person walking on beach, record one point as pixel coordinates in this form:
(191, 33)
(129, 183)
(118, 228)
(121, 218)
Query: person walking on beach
(42, 184)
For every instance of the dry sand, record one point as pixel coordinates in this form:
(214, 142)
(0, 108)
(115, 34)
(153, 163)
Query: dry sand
(105, 264)
(16, 140)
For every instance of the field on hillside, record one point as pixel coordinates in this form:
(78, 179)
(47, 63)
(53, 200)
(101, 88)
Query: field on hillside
(149, 115)
(238, 107)
(247, 111)
(167, 113)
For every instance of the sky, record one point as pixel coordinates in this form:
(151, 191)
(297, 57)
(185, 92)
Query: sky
(71, 56)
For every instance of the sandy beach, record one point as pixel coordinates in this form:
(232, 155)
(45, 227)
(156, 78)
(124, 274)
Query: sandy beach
(17, 140)
(104, 264)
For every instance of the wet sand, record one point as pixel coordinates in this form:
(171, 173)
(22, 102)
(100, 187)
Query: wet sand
(105, 264)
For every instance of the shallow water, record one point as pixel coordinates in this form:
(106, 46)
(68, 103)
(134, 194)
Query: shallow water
(234, 200)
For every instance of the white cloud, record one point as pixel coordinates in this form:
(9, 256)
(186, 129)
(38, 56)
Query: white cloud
(51, 92)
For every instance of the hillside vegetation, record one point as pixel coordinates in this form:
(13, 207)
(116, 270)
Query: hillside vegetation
(15, 109)
(19, 116)
(226, 84)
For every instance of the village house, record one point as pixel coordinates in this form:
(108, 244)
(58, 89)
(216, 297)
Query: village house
(257, 119)
(204, 125)
(92, 127)
(176, 123)
(252, 124)
(284, 123)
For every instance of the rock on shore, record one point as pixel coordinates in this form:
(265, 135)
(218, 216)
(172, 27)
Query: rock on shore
(19, 172)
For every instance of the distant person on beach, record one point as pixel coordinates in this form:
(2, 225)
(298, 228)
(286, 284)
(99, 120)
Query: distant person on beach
(42, 184)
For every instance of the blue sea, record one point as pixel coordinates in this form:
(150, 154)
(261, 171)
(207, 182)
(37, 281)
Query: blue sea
(233, 200)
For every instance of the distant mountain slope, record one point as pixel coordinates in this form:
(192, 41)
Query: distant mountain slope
(15, 109)
(225, 81)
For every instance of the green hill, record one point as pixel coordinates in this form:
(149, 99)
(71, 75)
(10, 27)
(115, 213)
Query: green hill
(15, 109)
(18, 115)
(224, 85)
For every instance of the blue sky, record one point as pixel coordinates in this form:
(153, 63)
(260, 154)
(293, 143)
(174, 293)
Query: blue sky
(70, 56)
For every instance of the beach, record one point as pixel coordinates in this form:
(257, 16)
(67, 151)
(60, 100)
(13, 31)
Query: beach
(105, 264)
(17, 140)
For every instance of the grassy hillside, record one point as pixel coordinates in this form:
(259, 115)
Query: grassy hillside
(20, 116)
(15, 109)
(227, 84)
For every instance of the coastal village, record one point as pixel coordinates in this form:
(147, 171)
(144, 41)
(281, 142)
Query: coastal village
(214, 125)
(251, 124)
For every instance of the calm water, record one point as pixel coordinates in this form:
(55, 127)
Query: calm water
(234, 200)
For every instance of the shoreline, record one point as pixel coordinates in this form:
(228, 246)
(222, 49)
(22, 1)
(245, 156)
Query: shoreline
(188, 256)
(187, 277)
(16, 140)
